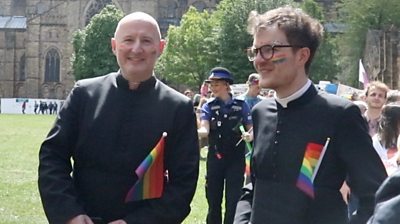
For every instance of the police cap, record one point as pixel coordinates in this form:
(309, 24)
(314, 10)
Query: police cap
(220, 73)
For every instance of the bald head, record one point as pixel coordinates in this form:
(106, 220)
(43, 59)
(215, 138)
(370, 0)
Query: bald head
(137, 16)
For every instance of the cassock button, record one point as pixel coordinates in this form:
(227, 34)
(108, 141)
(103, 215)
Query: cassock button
(276, 142)
(278, 132)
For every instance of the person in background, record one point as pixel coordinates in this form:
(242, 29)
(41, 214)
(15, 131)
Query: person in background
(387, 201)
(35, 107)
(24, 106)
(109, 126)
(189, 93)
(252, 94)
(305, 141)
(375, 97)
(220, 121)
(385, 140)
(393, 97)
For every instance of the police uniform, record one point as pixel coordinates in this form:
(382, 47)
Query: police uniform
(225, 159)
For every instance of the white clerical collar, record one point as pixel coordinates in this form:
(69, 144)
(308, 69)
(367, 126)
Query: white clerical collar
(284, 101)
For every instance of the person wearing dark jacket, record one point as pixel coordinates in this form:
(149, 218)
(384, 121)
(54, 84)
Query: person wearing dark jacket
(388, 201)
(108, 125)
(306, 142)
(222, 117)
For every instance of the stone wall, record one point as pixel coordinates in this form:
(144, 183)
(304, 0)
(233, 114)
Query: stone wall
(382, 56)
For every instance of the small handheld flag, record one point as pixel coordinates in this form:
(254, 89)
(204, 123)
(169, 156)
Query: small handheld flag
(311, 162)
(362, 74)
(248, 155)
(150, 172)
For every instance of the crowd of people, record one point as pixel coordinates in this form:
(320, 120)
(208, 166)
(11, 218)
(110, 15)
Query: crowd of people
(125, 147)
(45, 107)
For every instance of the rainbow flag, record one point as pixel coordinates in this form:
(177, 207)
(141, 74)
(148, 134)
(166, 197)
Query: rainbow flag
(309, 168)
(150, 183)
(248, 155)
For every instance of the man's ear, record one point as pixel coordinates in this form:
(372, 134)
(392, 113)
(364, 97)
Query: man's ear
(162, 45)
(304, 55)
(113, 45)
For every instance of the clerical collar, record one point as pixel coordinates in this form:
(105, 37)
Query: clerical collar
(284, 101)
(142, 86)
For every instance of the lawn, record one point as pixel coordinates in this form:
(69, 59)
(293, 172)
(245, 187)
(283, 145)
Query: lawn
(20, 138)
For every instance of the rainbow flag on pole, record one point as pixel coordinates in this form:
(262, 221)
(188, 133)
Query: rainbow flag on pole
(150, 183)
(248, 155)
(309, 168)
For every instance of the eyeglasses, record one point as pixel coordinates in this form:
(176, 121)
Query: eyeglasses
(267, 51)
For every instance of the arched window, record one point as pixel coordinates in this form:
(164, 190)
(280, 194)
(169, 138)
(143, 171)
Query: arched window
(22, 74)
(94, 8)
(52, 70)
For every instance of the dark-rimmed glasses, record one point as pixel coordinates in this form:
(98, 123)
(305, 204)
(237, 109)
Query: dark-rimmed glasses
(267, 51)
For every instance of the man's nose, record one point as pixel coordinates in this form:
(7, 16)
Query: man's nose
(136, 46)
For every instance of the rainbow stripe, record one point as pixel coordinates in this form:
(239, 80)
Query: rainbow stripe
(150, 183)
(247, 168)
(309, 168)
(278, 58)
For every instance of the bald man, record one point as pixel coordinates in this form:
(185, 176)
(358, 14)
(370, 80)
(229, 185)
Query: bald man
(107, 127)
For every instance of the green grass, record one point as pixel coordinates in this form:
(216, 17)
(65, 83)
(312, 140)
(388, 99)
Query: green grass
(20, 139)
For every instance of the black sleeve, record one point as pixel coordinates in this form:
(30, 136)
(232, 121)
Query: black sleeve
(243, 208)
(388, 202)
(55, 184)
(365, 169)
(182, 163)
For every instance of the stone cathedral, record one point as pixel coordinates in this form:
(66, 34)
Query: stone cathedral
(36, 35)
(35, 39)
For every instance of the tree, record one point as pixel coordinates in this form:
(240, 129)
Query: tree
(361, 15)
(325, 62)
(190, 50)
(92, 49)
(205, 40)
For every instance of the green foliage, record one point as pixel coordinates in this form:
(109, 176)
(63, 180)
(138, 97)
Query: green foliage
(92, 49)
(204, 41)
(325, 62)
(190, 50)
(361, 15)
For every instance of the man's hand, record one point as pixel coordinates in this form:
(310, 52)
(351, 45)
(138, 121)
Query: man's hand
(119, 221)
(81, 219)
(345, 191)
(247, 137)
(202, 132)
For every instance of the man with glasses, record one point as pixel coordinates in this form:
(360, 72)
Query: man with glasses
(305, 141)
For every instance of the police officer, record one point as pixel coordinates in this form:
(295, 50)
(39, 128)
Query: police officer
(221, 118)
